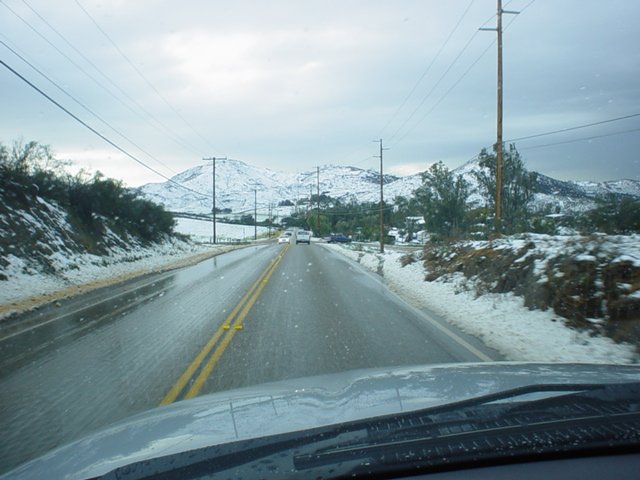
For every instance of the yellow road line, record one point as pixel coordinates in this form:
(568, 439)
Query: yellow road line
(171, 396)
(208, 368)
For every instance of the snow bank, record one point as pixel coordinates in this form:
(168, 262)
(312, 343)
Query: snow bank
(61, 271)
(73, 271)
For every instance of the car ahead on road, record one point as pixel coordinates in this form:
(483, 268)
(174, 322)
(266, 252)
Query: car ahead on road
(283, 239)
(483, 420)
(339, 238)
(303, 236)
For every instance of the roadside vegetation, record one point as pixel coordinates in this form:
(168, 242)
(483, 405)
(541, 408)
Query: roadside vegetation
(443, 202)
(589, 274)
(95, 205)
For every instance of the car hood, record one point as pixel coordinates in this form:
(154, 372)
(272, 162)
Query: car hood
(298, 404)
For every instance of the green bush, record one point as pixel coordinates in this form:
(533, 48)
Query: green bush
(30, 169)
(615, 214)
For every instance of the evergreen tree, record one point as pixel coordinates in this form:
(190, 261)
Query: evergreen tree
(518, 188)
(615, 214)
(442, 200)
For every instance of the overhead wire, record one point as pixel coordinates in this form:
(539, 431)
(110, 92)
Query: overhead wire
(428, 69)
(441, 99)
(428, 95)
(464, 48)
(464, 74)
(575, 140)
(81, 104)
(141, 75)
(96, 132)
(158, 126)
(417, 84)
(569, 129)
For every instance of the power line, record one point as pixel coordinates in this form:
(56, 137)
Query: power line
(575, 140)
(104, 75)
(428, 95)
(464, 74)
(86, 125)
(457, 82)
(84, 106)
(108, 37)
(442, 77)
(369, 211)
(562, 130)
(428, 69)
(162, 128)
(593, 137)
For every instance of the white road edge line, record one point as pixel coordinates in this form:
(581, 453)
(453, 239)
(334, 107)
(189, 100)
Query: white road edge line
(463, 343)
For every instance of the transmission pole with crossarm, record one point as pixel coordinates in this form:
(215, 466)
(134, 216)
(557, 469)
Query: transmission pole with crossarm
(381, 198)
(213, 208)
(499, 146)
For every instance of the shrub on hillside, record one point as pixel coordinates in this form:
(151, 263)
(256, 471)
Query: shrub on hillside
(615, 214)
(30, 169)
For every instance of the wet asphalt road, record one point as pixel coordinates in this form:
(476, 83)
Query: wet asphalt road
(303, 310)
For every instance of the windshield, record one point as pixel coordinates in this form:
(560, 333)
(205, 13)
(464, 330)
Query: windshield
(208, 196)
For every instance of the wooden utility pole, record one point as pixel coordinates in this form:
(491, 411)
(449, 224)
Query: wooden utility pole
(382, 235)
(255, 214)
(499, 126)
(381, 203)
(318, 199)
(213, 208)
(499, 145)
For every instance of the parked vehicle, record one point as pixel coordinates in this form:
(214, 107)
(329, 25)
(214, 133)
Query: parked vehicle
(339, 238)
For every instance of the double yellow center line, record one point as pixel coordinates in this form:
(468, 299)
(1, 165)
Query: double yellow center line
(191, 381)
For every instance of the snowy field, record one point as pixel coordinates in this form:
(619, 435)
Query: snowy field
(501, 321)
(202, 231)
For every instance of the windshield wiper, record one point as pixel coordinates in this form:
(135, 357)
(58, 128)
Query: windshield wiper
(455, 432)
(583, 416)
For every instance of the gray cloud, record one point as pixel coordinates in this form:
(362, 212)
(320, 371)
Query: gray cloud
(290, 85)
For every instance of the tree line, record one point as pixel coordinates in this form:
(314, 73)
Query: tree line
(443, 202)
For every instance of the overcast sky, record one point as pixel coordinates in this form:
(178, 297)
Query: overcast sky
(293, 84)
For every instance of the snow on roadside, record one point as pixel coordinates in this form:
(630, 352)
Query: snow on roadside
(28, 286)
(501, 321)
(75, 270)
(201, 230)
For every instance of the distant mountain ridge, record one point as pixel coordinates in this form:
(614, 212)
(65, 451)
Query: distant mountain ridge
(236, 182)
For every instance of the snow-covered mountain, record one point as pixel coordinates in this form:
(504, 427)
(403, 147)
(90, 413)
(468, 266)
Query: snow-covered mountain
(236, 182)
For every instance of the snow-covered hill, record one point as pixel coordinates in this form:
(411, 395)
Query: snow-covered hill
(236, 182)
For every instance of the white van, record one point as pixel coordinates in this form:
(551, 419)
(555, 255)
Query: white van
(303, 236)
